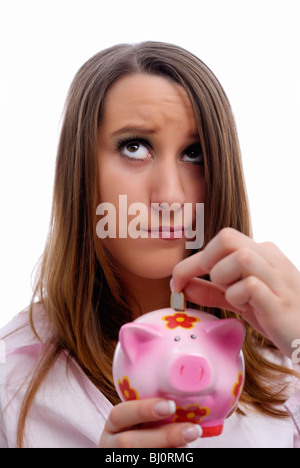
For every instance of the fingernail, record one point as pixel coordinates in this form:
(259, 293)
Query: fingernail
(171, 285)
(165, 408)
(191, 433)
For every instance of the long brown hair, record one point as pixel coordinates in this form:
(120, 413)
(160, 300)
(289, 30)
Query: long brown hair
(76, 281)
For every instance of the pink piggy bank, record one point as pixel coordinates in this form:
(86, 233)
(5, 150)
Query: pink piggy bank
(190, 357)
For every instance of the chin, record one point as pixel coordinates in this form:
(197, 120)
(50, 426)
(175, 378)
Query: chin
(157, 265)
(144, 260)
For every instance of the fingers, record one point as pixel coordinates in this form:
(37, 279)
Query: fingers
(255, 280)
(136, 412)
(166, 436)
(242, 274)
(128, 426)
(229, 240)
(252, 294)
(201, 263)
(207, 294)
(241, 264)
(227, 258)
(250, 291)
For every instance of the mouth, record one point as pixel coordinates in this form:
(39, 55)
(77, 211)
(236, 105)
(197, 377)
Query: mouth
(166, 232)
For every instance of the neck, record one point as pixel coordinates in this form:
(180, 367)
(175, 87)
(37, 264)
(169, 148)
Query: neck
(148, 294)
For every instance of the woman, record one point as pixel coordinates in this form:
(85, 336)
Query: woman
(151, 122)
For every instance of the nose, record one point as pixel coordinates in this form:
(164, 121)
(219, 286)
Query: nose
(167, 183)
(190, 373)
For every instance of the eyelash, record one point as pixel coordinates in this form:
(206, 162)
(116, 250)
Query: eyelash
(122, 142)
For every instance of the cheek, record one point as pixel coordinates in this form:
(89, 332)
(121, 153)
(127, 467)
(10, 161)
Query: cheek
(196, 187)
(197, 195)
(109, 183)
(114, 180)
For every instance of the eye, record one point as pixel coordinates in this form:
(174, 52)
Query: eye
(193, 337)
(193, 154)
(177, 338)
(133, 149)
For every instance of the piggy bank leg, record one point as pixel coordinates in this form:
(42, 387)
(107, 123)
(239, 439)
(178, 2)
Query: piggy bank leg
(212, 428)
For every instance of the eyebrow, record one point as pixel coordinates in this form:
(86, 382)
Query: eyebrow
(134, 129)
(148, 131)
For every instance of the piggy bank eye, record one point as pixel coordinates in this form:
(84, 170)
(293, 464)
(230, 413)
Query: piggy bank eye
(193, 337)
(177, 338)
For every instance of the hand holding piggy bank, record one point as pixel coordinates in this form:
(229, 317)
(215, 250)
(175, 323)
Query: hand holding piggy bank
(187, 356)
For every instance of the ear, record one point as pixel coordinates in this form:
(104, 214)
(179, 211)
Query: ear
(133, 337)
(228, 333)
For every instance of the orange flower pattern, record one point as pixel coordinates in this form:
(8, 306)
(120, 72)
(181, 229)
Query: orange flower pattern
(237, 388)
(180, 319)
(128, 393)
(192, 413)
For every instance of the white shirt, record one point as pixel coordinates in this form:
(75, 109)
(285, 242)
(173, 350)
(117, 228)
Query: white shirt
(70, 412)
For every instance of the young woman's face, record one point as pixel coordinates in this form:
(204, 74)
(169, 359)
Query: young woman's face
(149, 152)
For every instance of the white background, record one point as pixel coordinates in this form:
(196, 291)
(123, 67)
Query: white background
(251, 45)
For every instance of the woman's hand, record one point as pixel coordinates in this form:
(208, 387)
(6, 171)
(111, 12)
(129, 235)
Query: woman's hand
(255, 280)
(124, 427)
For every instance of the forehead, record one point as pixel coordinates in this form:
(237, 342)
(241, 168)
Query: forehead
(147, 99)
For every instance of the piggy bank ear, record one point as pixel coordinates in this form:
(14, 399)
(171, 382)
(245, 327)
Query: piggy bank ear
(228, 333)
(135, 339)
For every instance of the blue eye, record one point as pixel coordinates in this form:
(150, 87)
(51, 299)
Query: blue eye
(134, 149)
(193, 154)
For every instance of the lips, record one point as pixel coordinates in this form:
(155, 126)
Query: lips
(166, 232)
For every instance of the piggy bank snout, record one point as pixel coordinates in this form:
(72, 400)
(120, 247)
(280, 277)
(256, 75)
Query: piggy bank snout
(190, 373)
